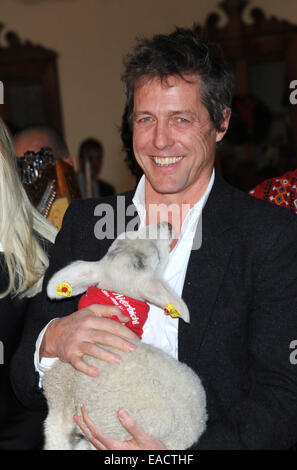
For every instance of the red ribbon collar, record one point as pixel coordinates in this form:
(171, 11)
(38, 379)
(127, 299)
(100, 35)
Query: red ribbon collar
(136, 310)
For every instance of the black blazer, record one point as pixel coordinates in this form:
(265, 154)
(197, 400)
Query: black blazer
(104, 188)
(241, 289)
(20, 428)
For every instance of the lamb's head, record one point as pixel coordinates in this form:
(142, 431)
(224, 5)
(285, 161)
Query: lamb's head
(133, 266)
(144, 252)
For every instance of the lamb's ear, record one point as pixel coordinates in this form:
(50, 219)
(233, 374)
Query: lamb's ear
(158, 293)
(74, 279)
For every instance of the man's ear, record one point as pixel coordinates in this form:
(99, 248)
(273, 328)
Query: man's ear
(158, 293)
(224, 124)
(74, 279)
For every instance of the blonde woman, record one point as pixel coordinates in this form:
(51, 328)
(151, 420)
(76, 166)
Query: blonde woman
(25, 239)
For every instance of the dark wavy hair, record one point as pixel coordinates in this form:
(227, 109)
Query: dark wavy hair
(127, 147)
(181, 53)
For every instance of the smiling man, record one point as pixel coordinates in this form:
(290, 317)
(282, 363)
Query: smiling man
(240, 286)
(174, 140)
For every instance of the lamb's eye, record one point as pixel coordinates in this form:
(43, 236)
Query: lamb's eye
(138, 261)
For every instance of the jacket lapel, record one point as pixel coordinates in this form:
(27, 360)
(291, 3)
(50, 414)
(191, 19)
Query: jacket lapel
(123, 216)
(206, 270)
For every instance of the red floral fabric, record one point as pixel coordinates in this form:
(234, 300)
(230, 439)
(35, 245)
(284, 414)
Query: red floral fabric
(280, 190)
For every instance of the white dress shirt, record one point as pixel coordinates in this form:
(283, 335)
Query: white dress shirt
(159, 330)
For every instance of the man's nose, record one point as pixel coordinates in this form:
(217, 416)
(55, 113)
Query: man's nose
(162, 135)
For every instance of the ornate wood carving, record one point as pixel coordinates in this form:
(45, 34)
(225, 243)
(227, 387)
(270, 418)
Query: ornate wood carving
(261, 40)
(23, 64)
(269, 36)
(16, 49)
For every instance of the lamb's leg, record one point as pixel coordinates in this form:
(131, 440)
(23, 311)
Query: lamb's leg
(58, 431)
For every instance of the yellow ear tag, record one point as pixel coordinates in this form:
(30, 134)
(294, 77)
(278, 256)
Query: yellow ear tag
(172, 311)
(64, 289)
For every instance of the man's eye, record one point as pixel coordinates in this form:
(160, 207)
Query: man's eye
(144, 119)
(182, 120)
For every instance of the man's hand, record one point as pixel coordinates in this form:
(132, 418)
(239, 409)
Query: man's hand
(140, 439)
(70, 337)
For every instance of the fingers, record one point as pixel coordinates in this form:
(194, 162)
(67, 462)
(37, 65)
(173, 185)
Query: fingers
(96, 313)
(90, 345)
(99, 440)
(131, 425)
(103, 331)
(86, 331)
(79, 364)
(109, 325)
(108, 311)
(77, 361)
(71, 337)
(104, 354)
(88, 429)
(105, 338)
(140, 439)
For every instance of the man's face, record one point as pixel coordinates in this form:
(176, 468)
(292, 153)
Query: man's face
(173, 138)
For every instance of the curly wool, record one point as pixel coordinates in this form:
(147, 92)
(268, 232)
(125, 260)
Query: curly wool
(165, 397)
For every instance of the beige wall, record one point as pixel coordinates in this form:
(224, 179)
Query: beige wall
(91, 38)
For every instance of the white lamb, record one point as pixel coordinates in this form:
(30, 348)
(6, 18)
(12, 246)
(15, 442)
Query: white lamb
(165, 396)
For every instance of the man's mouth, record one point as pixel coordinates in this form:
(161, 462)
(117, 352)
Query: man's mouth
(166, 161)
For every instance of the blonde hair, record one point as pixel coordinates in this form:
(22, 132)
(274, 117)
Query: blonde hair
(21, 228)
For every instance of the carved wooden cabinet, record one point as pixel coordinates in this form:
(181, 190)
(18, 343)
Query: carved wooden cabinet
(30, 83)
(262, 140)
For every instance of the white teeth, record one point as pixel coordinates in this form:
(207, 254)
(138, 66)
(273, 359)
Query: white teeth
(165, 161)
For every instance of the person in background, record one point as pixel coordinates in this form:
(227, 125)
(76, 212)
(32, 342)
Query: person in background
(34, 137)
(25, 239)
(47, 171)
(91, 155)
